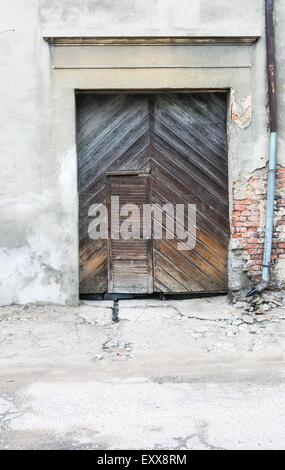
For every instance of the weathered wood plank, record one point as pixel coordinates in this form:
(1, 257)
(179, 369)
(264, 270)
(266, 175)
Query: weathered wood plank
(189, 165)
(129, 260)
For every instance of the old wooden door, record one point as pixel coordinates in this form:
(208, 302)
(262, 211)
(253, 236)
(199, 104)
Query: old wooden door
(180, 139)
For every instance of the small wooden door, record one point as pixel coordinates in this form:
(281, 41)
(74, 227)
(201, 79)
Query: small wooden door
(129, 252)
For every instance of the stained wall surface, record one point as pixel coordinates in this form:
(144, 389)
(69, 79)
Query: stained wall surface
(38, 191)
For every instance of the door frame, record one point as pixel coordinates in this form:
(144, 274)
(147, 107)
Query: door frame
(187, 66)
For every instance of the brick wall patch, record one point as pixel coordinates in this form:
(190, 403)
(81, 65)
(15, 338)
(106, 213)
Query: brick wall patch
(248, 219)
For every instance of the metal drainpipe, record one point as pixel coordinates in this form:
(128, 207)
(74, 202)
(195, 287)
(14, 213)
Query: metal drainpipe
(272, 149)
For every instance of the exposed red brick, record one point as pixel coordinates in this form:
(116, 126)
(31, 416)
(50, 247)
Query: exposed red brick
(247, 225)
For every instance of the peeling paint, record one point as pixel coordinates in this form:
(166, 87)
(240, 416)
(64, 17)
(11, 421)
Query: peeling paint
(241, 111)
(35, 257)
(25, 281)
(247, 227)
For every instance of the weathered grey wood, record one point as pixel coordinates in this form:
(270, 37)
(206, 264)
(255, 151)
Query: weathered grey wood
(112, 134)
(181, 139)
(189, 166)
(130, 261)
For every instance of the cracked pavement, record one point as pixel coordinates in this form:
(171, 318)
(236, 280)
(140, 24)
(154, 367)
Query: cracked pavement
(184, 374)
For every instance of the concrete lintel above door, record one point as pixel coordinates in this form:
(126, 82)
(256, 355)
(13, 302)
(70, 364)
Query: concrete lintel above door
(93, 53)
(246, 40)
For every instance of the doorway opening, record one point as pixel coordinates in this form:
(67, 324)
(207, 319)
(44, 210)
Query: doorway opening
(158, 149)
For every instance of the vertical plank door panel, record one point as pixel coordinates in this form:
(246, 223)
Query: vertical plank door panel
(189, 166)
(112, 135)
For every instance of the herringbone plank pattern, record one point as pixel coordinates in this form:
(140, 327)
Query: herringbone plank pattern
(189, 165)
(181, 138)
(112, 135)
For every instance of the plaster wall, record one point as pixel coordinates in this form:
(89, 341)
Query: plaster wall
(38, 191)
